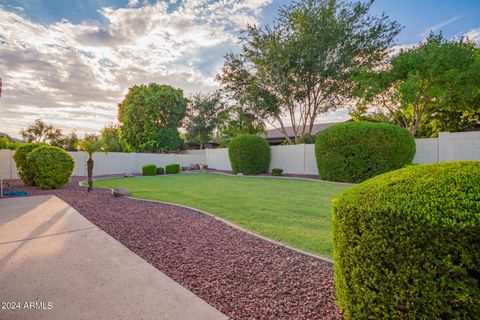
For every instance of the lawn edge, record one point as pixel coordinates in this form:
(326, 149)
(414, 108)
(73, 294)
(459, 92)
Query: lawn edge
(233, 225)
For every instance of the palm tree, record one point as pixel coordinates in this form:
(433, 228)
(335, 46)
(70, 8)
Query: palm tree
(90, 145)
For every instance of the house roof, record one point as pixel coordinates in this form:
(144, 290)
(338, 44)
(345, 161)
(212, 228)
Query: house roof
(277, 134)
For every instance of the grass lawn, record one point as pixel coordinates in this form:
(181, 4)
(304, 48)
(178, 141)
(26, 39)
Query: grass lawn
(295, 212)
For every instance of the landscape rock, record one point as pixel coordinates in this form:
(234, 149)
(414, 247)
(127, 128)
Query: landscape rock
(121, 192)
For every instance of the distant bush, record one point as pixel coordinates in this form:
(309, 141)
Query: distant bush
(172, 169)
(249, 154)
(160, 170)
(357, 151)
(307, 138)
(6, 143)
(277, 172)
(51, 166)
(149, 170)
(407, 244)
(20, 157)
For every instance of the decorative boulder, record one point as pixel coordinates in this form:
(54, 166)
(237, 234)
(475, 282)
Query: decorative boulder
(121, 192)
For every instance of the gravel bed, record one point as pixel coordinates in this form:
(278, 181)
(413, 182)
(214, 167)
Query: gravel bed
(239, 274)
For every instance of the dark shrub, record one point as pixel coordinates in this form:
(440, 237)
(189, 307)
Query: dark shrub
(160, 170)
(277, 172)
(52, 166)
(357, 151)
(407, 244)
(249, 154)
(172, 169)
(307, 138)
(149, 170)
(20, 157)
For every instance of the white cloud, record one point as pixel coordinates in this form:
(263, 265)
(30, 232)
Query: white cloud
(473, 35)
(439, 26)
(74, 75)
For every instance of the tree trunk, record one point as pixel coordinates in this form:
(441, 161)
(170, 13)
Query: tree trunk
(90, 174)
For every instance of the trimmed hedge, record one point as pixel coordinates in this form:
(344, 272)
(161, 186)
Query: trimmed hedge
(249, 154)
(20, 157)
(407, 244)
(160, 170)
(277, 172)
(149, 170)
(52, 166)
(172, 169)
(357, 151)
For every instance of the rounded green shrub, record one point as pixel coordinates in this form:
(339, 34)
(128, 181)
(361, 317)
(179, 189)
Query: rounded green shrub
(149, 170)
(277, 172)
(20, 157)
(172, 169)
(407, 244)
(357, 151)
(52, 166)
(249, 154)
(160, 170)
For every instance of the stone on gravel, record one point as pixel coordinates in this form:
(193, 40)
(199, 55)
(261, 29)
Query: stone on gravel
(121, 192)
(128, 175)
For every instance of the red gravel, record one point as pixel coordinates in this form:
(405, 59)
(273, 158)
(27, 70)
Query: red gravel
(241, 275)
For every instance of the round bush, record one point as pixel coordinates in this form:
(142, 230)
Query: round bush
(172, 169)
(249, 154)
(407, 244)
(52, 166)
(149, 170)
(357, 151)
(20, 157)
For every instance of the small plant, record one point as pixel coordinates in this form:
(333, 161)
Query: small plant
(172, 169)
(149, 170)
(249, 154)
(407, 244)
(90, 144)
(277, 172)
(20, 157)
(52, 166)
(160, 170)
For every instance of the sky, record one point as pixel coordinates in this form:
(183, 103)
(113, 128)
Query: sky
(71, 62)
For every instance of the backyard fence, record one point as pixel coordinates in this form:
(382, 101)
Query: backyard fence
(295, 159)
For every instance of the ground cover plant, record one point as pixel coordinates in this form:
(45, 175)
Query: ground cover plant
(407, 244)
(295, 212)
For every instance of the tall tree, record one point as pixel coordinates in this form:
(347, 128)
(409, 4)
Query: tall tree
(110, 135)
(300, 67)
(41, 131)
(427, 89)
(90, 144)
(207, 114)
(149, 117)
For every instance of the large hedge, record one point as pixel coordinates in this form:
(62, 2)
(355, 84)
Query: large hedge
(249, 154)
(20, 157)
(51, 166)
(357, 151)
(407, 244)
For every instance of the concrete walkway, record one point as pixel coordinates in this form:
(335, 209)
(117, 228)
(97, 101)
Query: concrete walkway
(55, 264)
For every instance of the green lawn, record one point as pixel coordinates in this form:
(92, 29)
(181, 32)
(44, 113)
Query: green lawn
(295, 212)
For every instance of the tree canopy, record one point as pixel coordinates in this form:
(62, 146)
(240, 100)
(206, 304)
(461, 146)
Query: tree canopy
(427, 89)
(149, 117)
(302, 65)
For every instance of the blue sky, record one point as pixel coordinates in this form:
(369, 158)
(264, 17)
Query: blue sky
(71, 62)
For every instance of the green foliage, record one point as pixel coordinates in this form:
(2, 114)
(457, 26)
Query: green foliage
(431, 88)
(301, 66)
(172, 169)
(160, 170)
(52, 166)
(150, 115)
(110, 135)
(357, 151)
(277, 172)
(20, 156)
(249, 154)
(240, 121)
(149, 170)
(207, 114)
(91, 144)
(307, 138)
(407, 244)
(6, 143)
